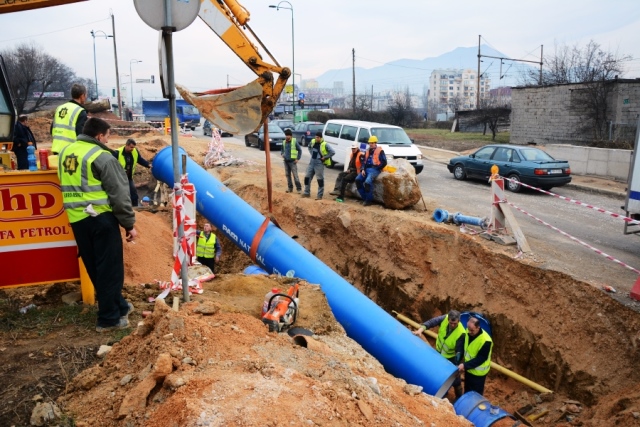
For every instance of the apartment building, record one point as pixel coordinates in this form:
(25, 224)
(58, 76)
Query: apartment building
(456, 89)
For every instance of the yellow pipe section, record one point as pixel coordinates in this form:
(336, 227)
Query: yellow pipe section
(494, 365)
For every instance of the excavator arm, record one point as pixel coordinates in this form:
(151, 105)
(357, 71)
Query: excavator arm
(240, 110)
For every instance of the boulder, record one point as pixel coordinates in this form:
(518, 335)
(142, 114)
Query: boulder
(395, 190)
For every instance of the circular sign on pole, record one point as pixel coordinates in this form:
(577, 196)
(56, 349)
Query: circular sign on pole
(183, 13)
(300, 95)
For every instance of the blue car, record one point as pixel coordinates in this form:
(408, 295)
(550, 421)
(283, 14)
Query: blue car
(520, 163)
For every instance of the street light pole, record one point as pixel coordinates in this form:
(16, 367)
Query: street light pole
(293, 56)
(133, 61)
(95, 68)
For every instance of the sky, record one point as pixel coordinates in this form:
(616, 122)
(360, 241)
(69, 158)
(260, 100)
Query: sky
(325, 32)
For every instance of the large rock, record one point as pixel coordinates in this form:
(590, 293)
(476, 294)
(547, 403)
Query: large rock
(396, 190)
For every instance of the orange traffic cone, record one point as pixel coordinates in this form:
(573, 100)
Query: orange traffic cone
(635, 291)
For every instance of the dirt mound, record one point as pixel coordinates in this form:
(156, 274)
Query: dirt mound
(186, 368)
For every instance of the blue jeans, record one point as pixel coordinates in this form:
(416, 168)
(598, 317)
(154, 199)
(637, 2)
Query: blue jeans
(365, 183)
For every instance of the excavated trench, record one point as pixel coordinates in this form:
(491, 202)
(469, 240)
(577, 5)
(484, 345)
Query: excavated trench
(548, 327)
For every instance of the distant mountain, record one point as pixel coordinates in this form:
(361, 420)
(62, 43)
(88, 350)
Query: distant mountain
(415, 73)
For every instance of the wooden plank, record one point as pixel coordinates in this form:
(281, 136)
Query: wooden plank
(515, 228)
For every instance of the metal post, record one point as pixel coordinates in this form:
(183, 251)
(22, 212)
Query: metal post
(167, 34)
(478, 76)
(133, 61)
(293, 57)
(541, 61)
(95, 68)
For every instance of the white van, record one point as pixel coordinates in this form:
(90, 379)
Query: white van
(392, 139)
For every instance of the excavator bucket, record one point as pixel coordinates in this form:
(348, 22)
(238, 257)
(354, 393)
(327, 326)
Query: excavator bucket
(237, 111)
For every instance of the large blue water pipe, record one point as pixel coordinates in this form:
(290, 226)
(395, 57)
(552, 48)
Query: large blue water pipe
(478, 410)
(381, 335)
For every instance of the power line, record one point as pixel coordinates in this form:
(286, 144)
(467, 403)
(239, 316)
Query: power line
(53, 32)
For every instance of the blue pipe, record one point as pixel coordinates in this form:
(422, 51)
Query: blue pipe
(458, 218)
(401, 353)
(441, 215)
(478, 410)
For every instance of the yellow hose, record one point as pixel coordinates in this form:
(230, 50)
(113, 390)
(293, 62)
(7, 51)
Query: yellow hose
(494, 365)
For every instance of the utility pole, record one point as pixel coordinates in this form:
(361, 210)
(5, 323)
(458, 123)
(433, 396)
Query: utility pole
(115, 54)
(353, 68)
(371, 97)
(541, 59)
(478, 76)
(506, 59)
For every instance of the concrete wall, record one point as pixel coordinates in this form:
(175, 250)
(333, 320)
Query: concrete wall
(602, 162)
(552, 115)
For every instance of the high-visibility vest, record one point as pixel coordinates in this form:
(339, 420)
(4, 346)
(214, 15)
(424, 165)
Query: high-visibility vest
(122, 161)
(323, 151)
(79, 187)
(64, 125)
(471, 351)
(376, 156)
(294, 150)
(447, 347)
(206, 248)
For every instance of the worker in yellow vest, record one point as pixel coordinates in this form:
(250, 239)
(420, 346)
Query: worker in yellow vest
(96, 198)
(291, 153)
(128, 157)
(450, 341)
(478, 346)
(69, 119)
(208, 249)
(321, 154)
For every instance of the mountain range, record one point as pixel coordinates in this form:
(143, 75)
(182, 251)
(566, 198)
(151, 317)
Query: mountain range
(415, 73)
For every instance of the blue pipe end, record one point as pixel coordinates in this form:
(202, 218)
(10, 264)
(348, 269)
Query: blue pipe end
(440, 215)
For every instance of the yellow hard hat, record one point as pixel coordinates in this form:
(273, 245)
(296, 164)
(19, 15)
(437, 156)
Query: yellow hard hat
(373, 138)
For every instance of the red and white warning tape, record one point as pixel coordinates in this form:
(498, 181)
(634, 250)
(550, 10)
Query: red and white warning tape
(578, 202)
(598, 251)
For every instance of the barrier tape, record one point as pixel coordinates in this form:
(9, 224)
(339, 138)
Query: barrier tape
(578, 202)
(184, 251)
(598, 251)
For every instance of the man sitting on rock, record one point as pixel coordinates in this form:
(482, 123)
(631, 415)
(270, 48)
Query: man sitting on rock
(374, 161)
(347, 177)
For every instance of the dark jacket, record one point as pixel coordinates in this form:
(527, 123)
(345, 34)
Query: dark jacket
(22, 135)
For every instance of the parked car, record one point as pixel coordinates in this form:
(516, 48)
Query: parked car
(276, 136)
(206, 129)
(524, 164)
(304, 132)
(283, 123)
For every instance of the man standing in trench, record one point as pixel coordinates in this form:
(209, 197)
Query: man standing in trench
(128, 156)
(477, 356)
(450, 342)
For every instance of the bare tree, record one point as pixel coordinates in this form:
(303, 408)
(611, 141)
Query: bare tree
(32, 71)
(592, 67)
(400, 110)
(490, 114)
(456, 103)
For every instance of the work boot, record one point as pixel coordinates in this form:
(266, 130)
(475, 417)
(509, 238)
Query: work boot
(123, 323)
(366, 203)
(319, 198)
(289, 190)
(335, 193)
(305, 195)
(130, 310)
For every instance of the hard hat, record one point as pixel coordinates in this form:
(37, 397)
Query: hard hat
(146, 199)
(373, 138)
(354, 145)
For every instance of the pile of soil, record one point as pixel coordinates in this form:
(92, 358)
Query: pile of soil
(213, 362)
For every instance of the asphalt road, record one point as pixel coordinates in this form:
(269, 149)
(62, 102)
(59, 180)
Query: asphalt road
(550, 248)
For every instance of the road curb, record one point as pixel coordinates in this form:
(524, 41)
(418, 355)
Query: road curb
(594, 190)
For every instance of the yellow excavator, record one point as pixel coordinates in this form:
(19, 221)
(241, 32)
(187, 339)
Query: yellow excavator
(238, 110)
